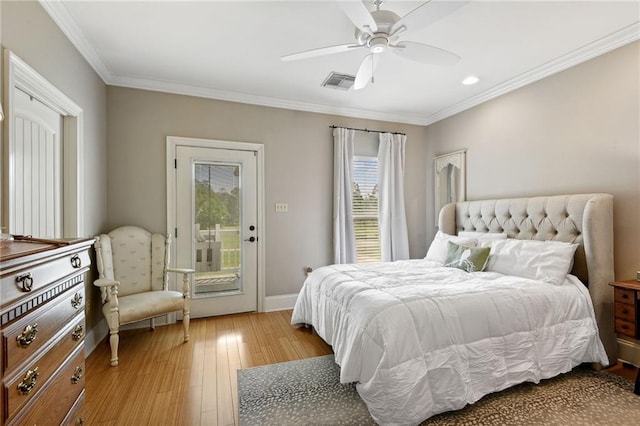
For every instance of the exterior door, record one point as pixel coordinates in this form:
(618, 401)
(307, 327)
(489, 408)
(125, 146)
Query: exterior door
(216, 232)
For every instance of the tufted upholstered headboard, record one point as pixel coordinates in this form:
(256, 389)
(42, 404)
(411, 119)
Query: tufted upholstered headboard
(585, 219)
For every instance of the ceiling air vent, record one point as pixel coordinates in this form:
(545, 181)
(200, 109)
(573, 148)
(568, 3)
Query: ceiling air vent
(339, 81)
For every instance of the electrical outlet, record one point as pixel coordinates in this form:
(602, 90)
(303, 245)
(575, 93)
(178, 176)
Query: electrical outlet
(282, 207)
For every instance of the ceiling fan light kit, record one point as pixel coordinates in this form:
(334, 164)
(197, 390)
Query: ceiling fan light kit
(378, 44)
(381, 30)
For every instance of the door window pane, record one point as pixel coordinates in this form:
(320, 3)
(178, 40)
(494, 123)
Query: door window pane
(216, 213)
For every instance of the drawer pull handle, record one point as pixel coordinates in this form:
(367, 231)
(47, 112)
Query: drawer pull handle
(80, 421)
(76, 262)
(26, 280)
(29, 381)
(76, 301)
(78, 332)
(28, 335)
(624, 311)
(77, 375)
(624, 327)
(625, 296)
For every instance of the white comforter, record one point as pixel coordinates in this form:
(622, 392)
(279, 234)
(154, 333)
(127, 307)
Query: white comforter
(420, 339)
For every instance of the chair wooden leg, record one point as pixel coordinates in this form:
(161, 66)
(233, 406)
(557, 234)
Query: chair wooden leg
(152, 323)
(114, 339)
(186, 308)
(185, 324)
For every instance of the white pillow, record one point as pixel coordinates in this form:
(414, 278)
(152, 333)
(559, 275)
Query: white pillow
(438, 249)
(484, 238)
(548, 261)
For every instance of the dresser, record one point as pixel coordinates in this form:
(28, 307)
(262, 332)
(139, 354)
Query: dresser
(42, 329)
(627, 320)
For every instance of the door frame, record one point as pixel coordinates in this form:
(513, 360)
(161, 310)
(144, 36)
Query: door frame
(20, 76)
(172, 143)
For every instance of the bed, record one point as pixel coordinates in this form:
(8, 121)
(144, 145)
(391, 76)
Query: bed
(420, 338)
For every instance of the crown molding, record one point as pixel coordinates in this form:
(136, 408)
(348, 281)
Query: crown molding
(578, 56)
(209, 93)
(61, 16)
(63, 19)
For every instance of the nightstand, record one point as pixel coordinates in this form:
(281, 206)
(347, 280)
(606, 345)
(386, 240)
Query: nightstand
(627, 318)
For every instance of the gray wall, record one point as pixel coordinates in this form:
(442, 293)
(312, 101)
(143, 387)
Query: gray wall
(29, 32)
(298, 171)
(576, 131)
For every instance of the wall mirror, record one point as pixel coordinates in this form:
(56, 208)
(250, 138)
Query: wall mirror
(450, 179)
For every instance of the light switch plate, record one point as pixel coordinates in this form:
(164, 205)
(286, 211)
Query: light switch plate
(282, 207)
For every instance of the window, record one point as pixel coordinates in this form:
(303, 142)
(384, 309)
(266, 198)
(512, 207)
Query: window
(365, 209)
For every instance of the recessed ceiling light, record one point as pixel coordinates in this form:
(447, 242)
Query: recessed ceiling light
(472, 79)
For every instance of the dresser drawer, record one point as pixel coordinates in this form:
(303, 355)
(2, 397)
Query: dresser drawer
(34, 278)
(62, 394)
(625, 312)
(626, 328)
(25, 384)
(623, 295)
(76, 415)
(25, 337)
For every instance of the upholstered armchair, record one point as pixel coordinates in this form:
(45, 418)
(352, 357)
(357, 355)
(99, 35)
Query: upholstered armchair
(133, 266)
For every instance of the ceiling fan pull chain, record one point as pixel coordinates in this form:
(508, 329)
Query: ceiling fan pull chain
(373, 58)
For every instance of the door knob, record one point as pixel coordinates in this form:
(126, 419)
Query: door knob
(251, 239)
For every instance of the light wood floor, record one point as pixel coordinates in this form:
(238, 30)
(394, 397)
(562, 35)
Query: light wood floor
(161, 381)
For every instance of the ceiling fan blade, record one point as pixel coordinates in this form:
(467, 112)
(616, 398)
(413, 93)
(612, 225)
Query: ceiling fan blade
(426, 14)
(365, 71)
(426, 54)
(319, 52)
(358, 13)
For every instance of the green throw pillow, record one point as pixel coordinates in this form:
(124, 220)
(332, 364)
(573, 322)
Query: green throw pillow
(470, 259)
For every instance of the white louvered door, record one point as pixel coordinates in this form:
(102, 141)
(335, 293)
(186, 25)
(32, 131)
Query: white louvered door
(36, 169)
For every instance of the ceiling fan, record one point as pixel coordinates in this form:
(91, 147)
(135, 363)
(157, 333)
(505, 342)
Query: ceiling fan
(383, 30)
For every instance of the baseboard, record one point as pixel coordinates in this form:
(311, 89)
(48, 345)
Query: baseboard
(100, 331)
(280, 303)
(95, 336)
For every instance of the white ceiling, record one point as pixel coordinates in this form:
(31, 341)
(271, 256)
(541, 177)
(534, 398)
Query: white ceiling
(230, 50)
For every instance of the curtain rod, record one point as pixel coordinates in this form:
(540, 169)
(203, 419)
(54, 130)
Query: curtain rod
(366, 130)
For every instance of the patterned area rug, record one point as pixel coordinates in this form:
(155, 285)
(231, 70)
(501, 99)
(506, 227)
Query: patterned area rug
(308, 392)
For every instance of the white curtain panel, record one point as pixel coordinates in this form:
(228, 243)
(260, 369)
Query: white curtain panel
(394, 240)
(344, 238)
